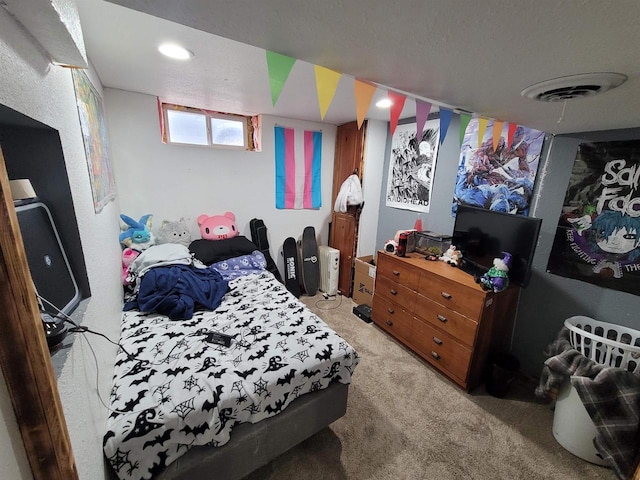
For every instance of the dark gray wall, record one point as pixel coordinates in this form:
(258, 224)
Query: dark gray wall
(549, 299)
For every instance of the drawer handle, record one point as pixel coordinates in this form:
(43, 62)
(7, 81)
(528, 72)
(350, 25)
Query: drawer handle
(442, 318)
(437, 340)
(390, 323)
(396, 273)
(393, 292)
(435, 355)
(446, 295)
(391, 310)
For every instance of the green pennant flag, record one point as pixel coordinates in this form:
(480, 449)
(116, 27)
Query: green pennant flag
(279, 69)
(464, 122)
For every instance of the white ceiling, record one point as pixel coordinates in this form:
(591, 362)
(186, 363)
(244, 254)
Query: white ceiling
(475, 56)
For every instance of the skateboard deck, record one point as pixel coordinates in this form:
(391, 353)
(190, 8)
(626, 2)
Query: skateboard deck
(291, 276)
(310, 261)
(259, 237)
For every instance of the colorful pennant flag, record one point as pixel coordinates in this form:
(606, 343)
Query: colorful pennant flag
(326, 85)
(397, 104)
(510, 133)
(298, 178)
(464, 123)
(445, 120)
(497, 133)
(279, 67)
(482, 127)
(364, 93)
(422, 113)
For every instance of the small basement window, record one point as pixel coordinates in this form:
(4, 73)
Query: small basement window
(193, 126)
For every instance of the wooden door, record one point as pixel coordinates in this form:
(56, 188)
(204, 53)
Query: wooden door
(24, 355)
(349, 159)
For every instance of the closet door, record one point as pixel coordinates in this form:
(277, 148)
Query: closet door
(349, 159)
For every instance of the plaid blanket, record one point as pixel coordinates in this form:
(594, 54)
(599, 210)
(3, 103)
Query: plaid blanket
(610, 395)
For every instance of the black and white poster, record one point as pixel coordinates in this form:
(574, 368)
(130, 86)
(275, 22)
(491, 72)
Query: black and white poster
(598, 232)
(412, 165)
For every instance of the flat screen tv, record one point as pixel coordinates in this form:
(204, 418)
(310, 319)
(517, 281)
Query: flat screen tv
(481, 235)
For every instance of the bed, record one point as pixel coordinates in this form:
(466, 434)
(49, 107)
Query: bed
(184, 406)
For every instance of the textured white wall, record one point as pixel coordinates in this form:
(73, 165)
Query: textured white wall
(171, 181)
(31, 85)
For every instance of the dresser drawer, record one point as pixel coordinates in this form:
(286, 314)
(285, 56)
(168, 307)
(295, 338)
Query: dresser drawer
(449, 321)
(394, 292)
(455, 296)
(441, 350)
(391, 317)
(392, 267)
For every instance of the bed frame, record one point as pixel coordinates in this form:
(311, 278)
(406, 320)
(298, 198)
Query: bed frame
(254, 445)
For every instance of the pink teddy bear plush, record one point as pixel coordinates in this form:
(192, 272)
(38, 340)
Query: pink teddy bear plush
(218, 227)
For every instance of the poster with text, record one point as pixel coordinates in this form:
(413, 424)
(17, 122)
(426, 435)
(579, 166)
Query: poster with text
(412, 165)
(598, 232)
(500, 178)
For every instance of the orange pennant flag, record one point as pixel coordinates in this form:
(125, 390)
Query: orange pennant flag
(364, 93)
(482, 126)
(396, 109)
(326, 85)
(497, 133)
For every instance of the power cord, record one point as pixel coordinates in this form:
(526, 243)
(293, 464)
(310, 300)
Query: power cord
(329, 299)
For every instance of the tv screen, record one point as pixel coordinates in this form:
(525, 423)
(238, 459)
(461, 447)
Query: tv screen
(481, 235)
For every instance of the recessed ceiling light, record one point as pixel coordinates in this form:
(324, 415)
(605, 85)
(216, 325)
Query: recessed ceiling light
(384, 103)
(174, 51)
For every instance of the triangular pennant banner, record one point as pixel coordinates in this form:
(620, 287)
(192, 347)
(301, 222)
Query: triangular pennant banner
(497, 133)
(364, 93)
(396, 109)
(464, 123)
(482, 127)
(326, 85)
(510, 133)
(445, 120)
(422, 112)
(279, 67)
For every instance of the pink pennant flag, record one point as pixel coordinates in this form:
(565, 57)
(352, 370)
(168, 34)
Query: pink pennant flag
(396, 109)
(497, 133)
(422, 113)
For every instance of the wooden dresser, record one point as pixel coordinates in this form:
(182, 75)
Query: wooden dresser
(440, 313)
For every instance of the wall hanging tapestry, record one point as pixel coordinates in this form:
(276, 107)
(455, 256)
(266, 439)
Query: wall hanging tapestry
(96, 140)
(298, 177)
(598, 231)
(498, 166)
(411, 166)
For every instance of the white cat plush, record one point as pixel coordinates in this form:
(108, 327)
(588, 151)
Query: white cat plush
(174, 232)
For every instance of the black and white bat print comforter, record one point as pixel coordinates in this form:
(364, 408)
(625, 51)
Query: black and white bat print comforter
(174, 388)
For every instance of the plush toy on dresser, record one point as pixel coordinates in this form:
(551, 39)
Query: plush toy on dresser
(497, 278)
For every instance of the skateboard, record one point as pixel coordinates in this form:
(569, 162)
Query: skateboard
(310, 261)
(291, 276)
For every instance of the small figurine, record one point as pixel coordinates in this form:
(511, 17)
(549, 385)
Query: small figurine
(452, 256)
(497, 278)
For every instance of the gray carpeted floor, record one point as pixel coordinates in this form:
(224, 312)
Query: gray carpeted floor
(407, 421)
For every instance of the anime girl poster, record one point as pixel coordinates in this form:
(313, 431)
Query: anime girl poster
(500, 178)
(598, 231)
(412, 165)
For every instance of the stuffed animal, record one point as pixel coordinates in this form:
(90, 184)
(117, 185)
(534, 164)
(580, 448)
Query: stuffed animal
(138, 236)
(174, 232)
(128, 256)
(452, 256)
(497, 278)
(218, 227)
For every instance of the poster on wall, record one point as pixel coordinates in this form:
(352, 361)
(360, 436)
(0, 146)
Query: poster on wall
(412, 165)
(500, 178)
(598, 231)
(96, 141)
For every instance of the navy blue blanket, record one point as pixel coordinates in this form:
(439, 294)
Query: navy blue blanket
(177, 290)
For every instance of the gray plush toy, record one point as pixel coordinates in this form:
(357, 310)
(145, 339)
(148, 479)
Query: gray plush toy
(174, 232)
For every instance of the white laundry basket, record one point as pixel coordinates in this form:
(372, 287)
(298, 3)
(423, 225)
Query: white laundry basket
(606, 344)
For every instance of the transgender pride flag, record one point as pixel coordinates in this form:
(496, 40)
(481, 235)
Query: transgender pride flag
(298, 176)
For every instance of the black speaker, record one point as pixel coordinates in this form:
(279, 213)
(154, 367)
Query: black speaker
(47, 260)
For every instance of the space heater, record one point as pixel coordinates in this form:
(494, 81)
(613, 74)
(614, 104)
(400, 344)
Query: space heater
(329, 268)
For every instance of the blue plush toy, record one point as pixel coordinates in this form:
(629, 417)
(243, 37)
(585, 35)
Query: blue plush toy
(138, 235)
(497, 278)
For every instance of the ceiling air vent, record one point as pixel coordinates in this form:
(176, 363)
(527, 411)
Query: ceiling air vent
(574, 86)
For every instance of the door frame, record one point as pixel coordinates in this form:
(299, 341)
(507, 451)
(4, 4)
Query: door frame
(24, 355)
